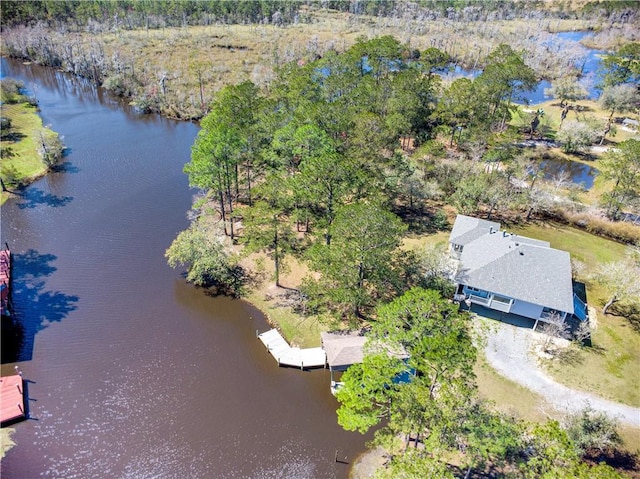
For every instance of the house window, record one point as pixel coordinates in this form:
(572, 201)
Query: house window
(457, 248)
(477, 292)
(502, 299)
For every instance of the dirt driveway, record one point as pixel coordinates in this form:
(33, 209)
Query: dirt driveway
(508, 350)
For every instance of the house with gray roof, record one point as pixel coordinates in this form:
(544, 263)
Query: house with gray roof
(512, 274)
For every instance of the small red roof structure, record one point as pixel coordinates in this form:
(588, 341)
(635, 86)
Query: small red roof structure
(11, 398)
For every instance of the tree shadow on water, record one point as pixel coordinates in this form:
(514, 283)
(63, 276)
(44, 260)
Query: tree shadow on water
(34, 308)
(65, 167)
(34, 197)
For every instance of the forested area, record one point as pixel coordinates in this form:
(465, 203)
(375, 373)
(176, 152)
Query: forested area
(370, 140)
(334, 165)
(154, 14)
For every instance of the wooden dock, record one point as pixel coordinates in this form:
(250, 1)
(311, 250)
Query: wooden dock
(5, 280)
(285, 355)
(12, 405)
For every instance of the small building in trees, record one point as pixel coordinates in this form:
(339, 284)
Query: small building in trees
(513, 274)
(345, 348)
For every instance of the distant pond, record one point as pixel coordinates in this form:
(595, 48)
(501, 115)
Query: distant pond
(577, 173)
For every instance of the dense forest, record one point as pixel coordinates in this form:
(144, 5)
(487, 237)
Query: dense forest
(333, 154)
(154, 14)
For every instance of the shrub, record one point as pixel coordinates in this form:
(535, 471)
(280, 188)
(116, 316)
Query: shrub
(618, 230)
(440, 221)
(120, 85)
(590, 429)
(11, 90)
(576, 136)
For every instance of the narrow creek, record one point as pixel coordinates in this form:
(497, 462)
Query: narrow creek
(132, 372)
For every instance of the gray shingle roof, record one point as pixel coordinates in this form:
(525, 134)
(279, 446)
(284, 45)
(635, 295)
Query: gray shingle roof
(467, 229)
(343, 348)
(520, 268)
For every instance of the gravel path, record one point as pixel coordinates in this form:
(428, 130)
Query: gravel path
(507, 350)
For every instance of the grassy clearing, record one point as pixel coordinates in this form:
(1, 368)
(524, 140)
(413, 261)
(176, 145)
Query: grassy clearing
(420, 241)
(299, 330)
(20, 158)
(608, 369)
(582, 110)
(508, 396)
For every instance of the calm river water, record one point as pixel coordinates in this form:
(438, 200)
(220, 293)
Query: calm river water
(132, 372)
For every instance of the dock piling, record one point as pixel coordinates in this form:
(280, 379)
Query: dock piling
(340, 460)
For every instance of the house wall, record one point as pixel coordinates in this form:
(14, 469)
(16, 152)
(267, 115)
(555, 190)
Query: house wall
(521, 308)
(528, 310)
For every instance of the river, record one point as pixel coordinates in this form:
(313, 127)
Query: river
(132, 372)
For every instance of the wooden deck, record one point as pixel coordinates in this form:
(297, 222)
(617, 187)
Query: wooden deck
(285, 355)
(11, 399)
(5, 280)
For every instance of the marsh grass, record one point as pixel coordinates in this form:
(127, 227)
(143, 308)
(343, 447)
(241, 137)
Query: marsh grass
(225, 54)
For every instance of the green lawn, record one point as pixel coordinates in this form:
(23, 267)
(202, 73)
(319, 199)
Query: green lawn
(508, 396)
(20, 158)
(298, 330)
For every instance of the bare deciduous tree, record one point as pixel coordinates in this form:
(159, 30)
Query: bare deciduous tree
(554, 327)
(621, 279)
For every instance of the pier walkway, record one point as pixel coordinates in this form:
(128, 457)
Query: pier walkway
(285, 355)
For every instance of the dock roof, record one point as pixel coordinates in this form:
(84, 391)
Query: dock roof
(343, 348)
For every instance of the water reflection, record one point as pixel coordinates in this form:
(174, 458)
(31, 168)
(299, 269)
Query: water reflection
(588, 61)
(575, 172)
(66, 86)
